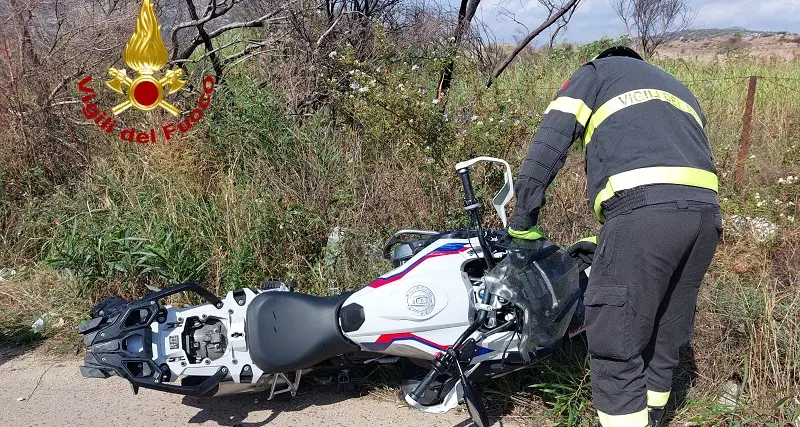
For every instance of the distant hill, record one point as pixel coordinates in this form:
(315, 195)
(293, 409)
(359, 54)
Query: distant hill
(707, 44)
(706, 33)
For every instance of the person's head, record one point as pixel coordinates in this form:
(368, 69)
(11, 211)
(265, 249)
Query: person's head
(619, 51)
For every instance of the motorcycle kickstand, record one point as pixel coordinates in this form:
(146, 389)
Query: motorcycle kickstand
(291, 386)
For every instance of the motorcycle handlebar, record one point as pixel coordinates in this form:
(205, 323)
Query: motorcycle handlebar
(466, 182)
(422, 387)
(472, 206)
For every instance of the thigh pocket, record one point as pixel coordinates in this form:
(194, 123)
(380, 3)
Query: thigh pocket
(605, 255)
(608, 322)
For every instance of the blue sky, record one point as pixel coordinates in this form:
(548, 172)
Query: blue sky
(595, 18)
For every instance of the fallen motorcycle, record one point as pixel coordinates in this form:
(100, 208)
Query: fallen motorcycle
(458, 302)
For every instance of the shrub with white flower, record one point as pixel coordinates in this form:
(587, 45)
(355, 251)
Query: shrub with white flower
(395, 98)
(757, 228)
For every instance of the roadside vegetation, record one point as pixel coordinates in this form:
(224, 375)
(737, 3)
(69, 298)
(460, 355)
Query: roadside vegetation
(355, 145)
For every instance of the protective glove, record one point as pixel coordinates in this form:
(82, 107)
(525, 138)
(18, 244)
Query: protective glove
(583, 251)
(528, 246)
(531, 234)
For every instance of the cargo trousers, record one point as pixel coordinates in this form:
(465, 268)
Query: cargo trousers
(640, 303)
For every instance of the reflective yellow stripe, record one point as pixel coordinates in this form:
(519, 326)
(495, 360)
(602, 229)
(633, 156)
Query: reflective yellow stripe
(637, 419)
(634, 97)
(573, 106)
(657, 399)
(590, 239)
(655, 175)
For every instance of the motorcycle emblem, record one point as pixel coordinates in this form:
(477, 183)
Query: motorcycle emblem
(420, 300)
(146, 54)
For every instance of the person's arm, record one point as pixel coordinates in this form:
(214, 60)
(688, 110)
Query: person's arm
(564, 122)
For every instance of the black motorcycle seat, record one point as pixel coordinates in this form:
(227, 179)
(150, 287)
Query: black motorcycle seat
(287, 331)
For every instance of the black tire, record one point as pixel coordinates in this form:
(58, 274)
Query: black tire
(472, 398)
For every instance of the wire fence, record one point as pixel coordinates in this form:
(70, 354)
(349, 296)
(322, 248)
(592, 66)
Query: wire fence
(740, 122)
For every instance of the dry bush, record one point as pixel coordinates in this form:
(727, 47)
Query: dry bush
(46, 47)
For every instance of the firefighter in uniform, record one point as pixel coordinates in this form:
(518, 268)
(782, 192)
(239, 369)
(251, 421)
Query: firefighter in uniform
(652, 183)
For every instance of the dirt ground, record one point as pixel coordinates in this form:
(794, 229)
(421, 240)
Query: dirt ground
(38, 390)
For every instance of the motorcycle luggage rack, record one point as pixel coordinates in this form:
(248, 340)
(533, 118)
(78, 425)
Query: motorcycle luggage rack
(107, 354)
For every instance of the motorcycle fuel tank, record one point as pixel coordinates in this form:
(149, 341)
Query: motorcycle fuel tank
(418, 309)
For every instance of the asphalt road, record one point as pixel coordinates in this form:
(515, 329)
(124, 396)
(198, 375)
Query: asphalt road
(36, 390)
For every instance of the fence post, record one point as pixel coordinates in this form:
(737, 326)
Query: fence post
(744, 143)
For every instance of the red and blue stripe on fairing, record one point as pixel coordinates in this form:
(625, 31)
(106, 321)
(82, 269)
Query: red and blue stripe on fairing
(386, 340)
(447, 249)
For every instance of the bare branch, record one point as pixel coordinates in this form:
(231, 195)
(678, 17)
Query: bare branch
(331, 28)
(206, 39)
(208, 16)
(561, 23)
(521, 45)
(465, 14)
(258, 22)
(653, 20)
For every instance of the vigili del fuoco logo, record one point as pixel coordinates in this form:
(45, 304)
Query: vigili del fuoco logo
(145, 54)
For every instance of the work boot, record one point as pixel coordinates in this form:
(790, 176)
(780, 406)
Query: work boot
(656, 415)
(651, 424)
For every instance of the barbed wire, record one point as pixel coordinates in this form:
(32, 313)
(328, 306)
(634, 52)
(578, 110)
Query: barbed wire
(552, 90)
(715, 79)
(795, 89)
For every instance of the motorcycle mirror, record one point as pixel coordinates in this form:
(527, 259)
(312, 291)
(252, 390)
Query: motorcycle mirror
(505, 194)
(474, 404)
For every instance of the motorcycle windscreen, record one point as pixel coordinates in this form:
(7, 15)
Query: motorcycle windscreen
(547, 292)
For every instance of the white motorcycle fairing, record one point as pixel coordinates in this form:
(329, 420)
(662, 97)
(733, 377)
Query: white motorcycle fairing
(420, 308)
